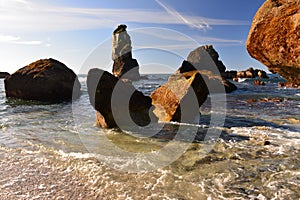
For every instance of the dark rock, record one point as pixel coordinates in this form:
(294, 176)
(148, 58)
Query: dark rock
(229, 74)
(274, 38)
(4, 74)
(118, 103)
(180, 98)
(229, 87)
(211, 78)
(43, 80)
(205, 58)
(124, 65)
(258, 82)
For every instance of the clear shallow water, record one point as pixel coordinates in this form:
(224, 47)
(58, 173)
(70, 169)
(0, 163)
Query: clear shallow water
(55, 151)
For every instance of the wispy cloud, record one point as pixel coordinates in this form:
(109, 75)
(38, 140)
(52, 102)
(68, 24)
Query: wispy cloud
(161, 37)
(32, 16)
(17, 40)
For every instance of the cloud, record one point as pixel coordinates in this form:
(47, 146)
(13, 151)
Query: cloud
(22, 15)
(182, 18)
(166, 37)
(17, 40)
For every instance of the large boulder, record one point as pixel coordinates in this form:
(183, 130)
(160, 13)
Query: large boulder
(4, 74)
(124, 65)
(180, 98)
(211, 78)
(118, 103)
(200, 55)
(44, 80)
(274, 38)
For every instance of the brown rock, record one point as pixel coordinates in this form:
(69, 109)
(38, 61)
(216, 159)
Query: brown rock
(274, 38)
(236, 79)
(43, 80)
(258, 82)
(211, 78)
(118, 103)
(4, 74)
(180, 98)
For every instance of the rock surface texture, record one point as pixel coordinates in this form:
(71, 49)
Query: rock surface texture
(124, 65)
(180, 98)
(118, 104)
(44, 80)
(274, 38)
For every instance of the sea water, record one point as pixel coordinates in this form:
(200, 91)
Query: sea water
(55, 151)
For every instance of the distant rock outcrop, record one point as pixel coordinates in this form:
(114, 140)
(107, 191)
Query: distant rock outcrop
(118, 103)
(124, 65)
(252, 73)
(180, 98)
(43, 80)
(4, 74)
(274, 38)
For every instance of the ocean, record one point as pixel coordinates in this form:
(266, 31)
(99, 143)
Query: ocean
(55, 151)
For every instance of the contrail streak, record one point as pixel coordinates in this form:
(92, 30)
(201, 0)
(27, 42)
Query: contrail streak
(180, 17)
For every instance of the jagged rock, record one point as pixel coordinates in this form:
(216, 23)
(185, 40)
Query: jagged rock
(124, 65)
(118, 103)
(274, 38)
(180, 98)
(43, 80)
(199, 56)
(4, 74)
(210, 78)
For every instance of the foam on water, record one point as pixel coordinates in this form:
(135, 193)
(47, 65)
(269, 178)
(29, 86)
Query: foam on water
(45, 153)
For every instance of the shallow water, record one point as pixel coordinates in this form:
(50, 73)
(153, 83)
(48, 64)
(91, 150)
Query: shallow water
(54, 151)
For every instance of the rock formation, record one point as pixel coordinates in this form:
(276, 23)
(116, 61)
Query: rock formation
(43, 80)
(4, 74)
(118, 103)
(252, 73)
(274, 38)
(205, 60)
(200, 55)
(124, 65)
(180, 98)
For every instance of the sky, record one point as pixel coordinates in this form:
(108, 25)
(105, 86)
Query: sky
(163, 32)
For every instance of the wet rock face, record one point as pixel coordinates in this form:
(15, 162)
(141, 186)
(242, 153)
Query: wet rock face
(43, 80)
(180, 98)
(124, 65)
(274, 38)
(118, 104)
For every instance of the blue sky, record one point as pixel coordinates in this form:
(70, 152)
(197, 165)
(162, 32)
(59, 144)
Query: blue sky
(163, 32)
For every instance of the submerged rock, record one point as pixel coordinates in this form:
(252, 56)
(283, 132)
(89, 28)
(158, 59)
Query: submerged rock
(118, 104)
(43, 80)
(274, 38)
(4, 74)
(180, 98)
(124, 65)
